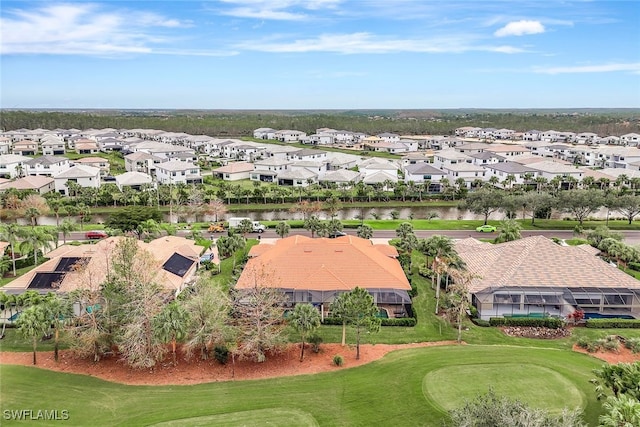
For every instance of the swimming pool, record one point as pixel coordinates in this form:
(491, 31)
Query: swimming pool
(607, 316)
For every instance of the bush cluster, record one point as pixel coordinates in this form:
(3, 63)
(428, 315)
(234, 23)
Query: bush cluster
(480, 322)
(633, 344)
(548, 322)
(613, 323)
(338, 360)
(608, 343)
(398, 321)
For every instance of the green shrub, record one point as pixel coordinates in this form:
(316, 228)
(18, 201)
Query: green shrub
(315, 341)
(221, 353)
(338, 360)
(611, 345)
(399, 321)
(474, 311)
(634, 266)
(612, 323)
(547, 322)
(583, 342)
(633, 344)
(480, 322)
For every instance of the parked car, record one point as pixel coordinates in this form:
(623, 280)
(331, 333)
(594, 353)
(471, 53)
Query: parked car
(336, 233)
(486, 228)
(96, 234)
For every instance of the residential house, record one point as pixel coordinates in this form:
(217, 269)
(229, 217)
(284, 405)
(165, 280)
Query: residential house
(532, 135)
(84, 176)
(473, 147)
(86, 147)
(389, 137)
(550, 169)
(160, 149)
(47, 165)
(134, 180)
(13, 165)
(176, 172)
(53, 147)
(508, 150)
(266, 170)
(297, 177)
(486, 158)
(630, 139)
(536, 277)
(25, 147)
(96, 162)
(376, 165)
(69, 267)
(287, 135)
(342, 177)
(450, 157)
(40, 184)
(469, 172)
(5, 145)
(342, 161)
(234, 171)
(317, 270)
(264, 133)
(111, 144)
(417, 157)
(141, 161)
(307, 154)
(422, 173)
(510, 173)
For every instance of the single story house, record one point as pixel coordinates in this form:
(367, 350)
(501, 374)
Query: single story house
(234, 171)
(317, 270)
(71, 267)
(535, 276)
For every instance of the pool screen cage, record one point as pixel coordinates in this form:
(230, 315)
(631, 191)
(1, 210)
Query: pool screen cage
(322, 299)
(557, 301)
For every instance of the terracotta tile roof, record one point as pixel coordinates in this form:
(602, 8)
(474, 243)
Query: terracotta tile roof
(300, 262)
(538, 262)
(99, 255)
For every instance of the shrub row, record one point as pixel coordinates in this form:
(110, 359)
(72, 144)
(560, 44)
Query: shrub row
(548, 322)
(479, 322)
(399, 321)
(613, 323)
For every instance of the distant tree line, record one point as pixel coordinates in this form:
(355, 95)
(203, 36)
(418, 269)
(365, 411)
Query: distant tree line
(242, 123)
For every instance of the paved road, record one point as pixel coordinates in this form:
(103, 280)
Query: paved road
(630, 237)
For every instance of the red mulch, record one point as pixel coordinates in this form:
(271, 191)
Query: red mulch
(623, 355)
(198, 371)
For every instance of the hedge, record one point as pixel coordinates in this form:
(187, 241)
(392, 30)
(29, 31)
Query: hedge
(547, 322)
(612, 323)
(398, 321)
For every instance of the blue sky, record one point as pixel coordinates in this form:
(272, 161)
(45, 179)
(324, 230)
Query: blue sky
(317, 54)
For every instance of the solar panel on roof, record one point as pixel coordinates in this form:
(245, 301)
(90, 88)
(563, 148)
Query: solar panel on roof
(178, 265)
(68, 263)
(45, 280)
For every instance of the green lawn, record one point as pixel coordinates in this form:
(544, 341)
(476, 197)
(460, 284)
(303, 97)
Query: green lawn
(385, 392)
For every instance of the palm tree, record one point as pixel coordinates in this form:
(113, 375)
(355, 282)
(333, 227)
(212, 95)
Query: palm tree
(66, 228)
(305, 319)
(332, 205)
(365, 231)
(32, 213)
(10, 233)
(5, 265)
(34, 240)
(58, 311)
(170, 325)
(509, 230)
(440, 248)
(312, 224)
(55, 205)
(33, 323)
(404, 230)
(282, 229)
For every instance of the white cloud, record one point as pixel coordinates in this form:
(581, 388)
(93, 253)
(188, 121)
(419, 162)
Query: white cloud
(81, 29)
(278, 10)
(601, 68)
(367, 43)
(520, 28)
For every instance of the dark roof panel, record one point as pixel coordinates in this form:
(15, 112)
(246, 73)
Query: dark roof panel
(46, 280)
(178, 264)
(68, 263)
